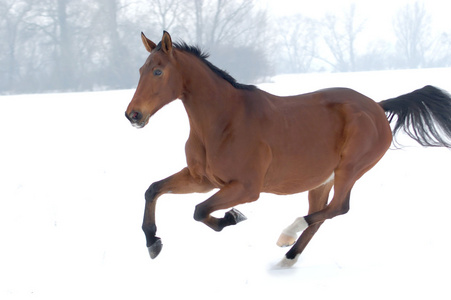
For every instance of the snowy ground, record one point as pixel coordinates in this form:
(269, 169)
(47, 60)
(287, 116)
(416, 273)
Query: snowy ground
(72, 178)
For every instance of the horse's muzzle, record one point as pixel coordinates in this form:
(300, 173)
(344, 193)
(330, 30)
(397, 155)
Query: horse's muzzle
(136, 119)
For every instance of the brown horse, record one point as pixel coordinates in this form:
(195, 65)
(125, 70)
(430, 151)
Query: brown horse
(244, 141)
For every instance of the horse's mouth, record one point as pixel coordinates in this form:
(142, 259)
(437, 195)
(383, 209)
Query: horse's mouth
(139, 123)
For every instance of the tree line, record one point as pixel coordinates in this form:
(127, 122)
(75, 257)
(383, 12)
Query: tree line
(75, 45)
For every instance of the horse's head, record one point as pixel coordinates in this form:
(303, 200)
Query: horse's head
(160, 81)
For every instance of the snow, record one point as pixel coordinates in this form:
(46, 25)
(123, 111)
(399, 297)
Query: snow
(73, 175)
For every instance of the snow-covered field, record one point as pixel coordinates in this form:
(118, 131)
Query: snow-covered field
(72, 178)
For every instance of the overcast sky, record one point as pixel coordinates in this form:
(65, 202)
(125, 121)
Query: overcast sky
(378, 15)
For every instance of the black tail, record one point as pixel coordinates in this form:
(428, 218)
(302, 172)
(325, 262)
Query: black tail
(424, 114)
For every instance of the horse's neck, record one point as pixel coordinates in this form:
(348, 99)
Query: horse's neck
(209, 109)
(209, 100)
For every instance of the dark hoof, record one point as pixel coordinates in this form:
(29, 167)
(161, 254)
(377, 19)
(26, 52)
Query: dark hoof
(235, 216)
(155, 248)
(286, 263)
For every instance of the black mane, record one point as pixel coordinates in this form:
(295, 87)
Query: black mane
(196, 51)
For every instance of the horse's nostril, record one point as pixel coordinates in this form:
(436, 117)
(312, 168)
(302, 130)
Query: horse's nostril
(135, 116)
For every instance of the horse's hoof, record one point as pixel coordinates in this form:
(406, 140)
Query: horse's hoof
(155, 248)
(235, 216)
(286, 263)
(285, 240)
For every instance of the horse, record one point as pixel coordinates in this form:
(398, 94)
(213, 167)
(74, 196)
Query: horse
(244, 141)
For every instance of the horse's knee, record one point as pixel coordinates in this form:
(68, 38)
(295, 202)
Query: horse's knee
(153, 191)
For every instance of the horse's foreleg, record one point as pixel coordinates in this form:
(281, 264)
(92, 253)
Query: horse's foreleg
(232, 194)
(179, 183)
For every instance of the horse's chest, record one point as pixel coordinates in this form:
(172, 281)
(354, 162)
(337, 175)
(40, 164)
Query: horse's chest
(210, 163)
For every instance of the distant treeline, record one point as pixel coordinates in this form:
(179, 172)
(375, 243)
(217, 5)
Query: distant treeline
(74, 45)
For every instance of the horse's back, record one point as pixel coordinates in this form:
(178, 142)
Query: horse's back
(335, 104)
(334, 96)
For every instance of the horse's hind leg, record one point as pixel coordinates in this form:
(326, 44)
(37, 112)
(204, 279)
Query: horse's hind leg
(317, 201)
(345, 177)
(292, 255)
(364, 147)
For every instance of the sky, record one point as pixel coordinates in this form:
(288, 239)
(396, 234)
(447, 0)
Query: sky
(377, 11)
(377, 15)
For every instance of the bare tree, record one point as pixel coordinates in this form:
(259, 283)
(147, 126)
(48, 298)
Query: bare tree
(340, 37)
(219, 22)
(86, 44)
(115, 71)
(13, 24)
(298, 36)
(55, 31)
(412, 29)
(154, 16)
(65, 63)
(198, 16)
(234, 31)
(440, 52)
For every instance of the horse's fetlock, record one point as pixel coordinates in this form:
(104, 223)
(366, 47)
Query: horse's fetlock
(149, 229)
(200, 213)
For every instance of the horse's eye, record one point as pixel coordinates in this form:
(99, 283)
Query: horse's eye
(157, 72)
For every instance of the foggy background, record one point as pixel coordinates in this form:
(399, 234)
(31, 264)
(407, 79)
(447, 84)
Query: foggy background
(83, 45)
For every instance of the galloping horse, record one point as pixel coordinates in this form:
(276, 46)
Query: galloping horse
(245, 141)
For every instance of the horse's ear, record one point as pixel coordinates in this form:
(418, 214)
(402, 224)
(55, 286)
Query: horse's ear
(166, 43)
(148, 43)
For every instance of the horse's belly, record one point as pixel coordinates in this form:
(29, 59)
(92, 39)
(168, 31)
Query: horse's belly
(295, 176)
(293, 184)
